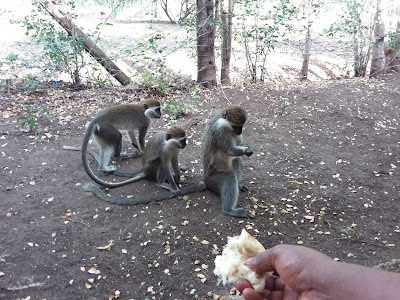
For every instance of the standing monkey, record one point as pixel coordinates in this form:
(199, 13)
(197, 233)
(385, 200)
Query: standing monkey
(106, 128)
(222, 147)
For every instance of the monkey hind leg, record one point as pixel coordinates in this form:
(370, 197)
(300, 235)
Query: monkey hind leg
(225, 184)
(105, 156)
(107, 136)
(238, 169)
(164, 183)
(117, 146)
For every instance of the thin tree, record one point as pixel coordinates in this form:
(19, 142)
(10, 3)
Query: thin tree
(378, 47)
(362, 36)
(205, 20)
(392, 53)
(307, 44)
(226, 42)
(168, 13)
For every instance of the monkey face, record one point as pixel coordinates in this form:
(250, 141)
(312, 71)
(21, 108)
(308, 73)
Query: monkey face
(237, 129)
(157, 112)
(178, 135)
(182, 143)
(153, 112)
(178, 142)
(236, 116)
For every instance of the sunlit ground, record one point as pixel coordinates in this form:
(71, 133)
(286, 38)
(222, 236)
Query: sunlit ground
(329, 59)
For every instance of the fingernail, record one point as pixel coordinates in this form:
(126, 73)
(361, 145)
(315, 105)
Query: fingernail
(248, 261)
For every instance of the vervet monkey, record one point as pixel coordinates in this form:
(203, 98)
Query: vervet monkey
(160, 161)
(106, 128)
(222, 147)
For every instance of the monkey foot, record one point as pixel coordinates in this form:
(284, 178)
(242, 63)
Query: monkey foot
(108, 169)
(130, 154)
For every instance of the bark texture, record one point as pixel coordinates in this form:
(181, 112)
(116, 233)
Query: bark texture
(206, 70)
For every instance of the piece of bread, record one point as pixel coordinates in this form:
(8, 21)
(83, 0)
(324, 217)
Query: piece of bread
(229, 266)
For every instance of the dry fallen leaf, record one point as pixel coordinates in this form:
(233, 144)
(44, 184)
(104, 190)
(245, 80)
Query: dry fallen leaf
(216, 296)
(93, 270)
(311, 218)
(116, 295)
(167, 247)
(166, 272)
(107, 247)
(296, 182)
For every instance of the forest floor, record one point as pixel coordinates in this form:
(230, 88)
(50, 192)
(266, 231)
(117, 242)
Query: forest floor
(325, 174)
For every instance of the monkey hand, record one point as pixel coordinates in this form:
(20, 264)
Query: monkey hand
(248, 151)
(177, 179)
(176, 192)
(243, 188)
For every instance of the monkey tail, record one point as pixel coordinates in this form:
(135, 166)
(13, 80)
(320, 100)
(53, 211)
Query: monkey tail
(91, 128)
(77, 148)
(128, 174)
(90, 187)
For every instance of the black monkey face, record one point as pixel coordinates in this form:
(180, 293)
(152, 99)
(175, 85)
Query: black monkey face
(157, 112)
(178, 142)
(237, 129)
(152, 112)
(182, 143)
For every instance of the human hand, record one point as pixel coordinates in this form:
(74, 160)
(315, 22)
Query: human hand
(299, 270)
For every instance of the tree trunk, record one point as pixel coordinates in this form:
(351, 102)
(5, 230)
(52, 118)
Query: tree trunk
(392, 54)
(378, 48)
(206, 70)
(357, 59)
(88, 44)
(396, 39)
(155, 13)
(307, 45)
(226, 47)
(306, 56)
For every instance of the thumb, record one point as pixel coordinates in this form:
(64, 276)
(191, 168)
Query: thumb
(263, 262)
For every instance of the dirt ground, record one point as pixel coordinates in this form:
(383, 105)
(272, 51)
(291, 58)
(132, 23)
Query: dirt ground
(324, 174)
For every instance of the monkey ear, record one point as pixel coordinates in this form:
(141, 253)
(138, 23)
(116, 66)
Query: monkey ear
(168, 136)
(145, 106)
